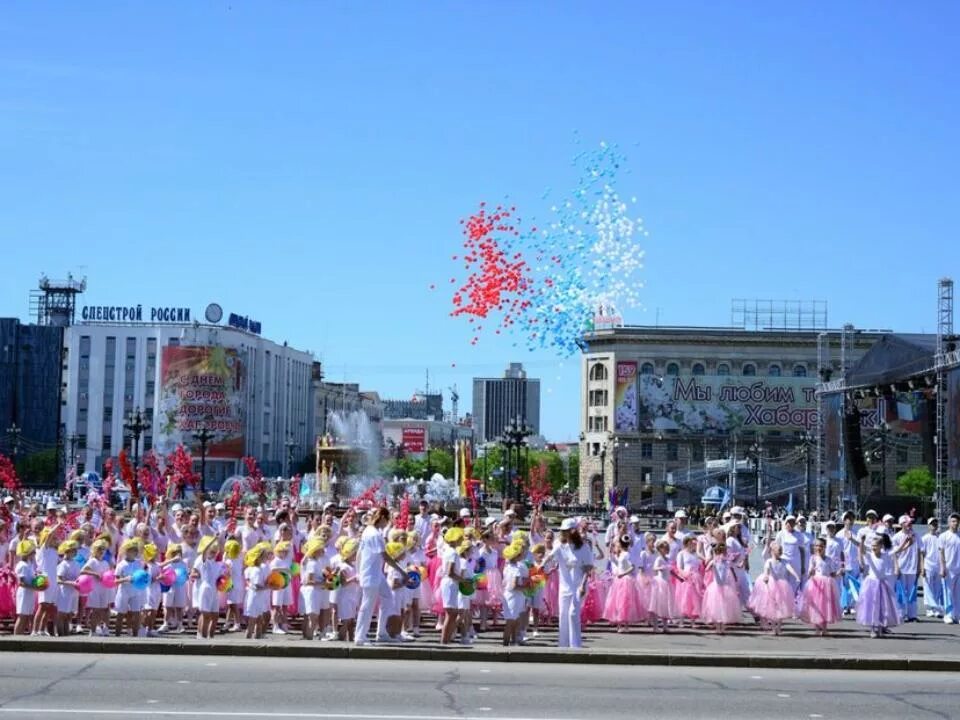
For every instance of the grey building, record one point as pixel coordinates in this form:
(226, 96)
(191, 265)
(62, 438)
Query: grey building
(497, 401)
(30, 358)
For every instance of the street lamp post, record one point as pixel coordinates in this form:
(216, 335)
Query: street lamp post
(203, 437)
(756, 454)
(136, 425)
(515, 435)
(15, 431)
(806, 451)
(289, 444)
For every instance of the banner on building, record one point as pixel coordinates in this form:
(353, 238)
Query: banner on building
(201, 387)
(725, 404)
(953, 422)
(833, 435)
(414, 439)
(626, 411)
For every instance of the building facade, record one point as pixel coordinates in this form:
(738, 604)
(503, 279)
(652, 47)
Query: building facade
(252, 395)
(498, 401)
(666, 412)
(30, 357)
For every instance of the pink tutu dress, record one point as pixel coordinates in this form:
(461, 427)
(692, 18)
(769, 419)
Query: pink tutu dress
(721, 601)
(551, 593)
(877, 605)
(661, 602)
(490, 586)
(820, 604)
(595, 599)
(645, 576)
(689, 593)
(623, 601)
(772, 596)
(8, 592)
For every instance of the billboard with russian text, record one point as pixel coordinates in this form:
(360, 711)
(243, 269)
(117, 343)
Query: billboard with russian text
(200, 387)
(414, 439)
(625, 409)
(725, 404)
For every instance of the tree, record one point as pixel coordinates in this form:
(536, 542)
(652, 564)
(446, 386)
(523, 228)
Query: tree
(918, 481)
(39, 468)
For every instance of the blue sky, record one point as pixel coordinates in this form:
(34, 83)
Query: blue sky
(306, 163)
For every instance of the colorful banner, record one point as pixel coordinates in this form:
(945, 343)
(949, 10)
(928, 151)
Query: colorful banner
(626, 416)
(414, 439)
(201, 387)
(724, 404)
(833, 435)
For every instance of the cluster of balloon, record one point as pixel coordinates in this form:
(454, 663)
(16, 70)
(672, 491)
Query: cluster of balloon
(224, 583)
(41, 582)
(546, 285)
(85, 584)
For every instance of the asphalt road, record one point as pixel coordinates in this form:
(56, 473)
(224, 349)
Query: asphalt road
(111, 686)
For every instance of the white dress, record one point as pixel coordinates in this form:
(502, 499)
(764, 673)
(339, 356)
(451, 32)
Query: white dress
(206, 599)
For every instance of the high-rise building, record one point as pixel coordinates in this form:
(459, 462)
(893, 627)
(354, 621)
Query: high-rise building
(498, 401)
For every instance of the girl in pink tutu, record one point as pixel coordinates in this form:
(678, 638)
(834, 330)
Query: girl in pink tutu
(689, 593)
(721, 601)
(662, 604)
(623, 602)
(877, 605)
(820, 603)
(772, 597)
(490, 596)
(644, 565)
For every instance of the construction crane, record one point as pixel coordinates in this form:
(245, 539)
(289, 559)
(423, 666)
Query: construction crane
(454, 397)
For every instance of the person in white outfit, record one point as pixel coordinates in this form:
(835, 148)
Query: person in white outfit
(574, 561)
(906, 546)
(371, 558)
(950, 569)
(930, 564)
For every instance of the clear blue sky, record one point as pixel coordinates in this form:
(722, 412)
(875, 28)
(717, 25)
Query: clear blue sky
(307, 162)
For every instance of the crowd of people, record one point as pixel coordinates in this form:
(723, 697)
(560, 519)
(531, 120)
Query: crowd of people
(171, 569)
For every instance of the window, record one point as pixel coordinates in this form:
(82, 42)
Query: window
(673, 451)
(673, 369)
(147, 443)
(749, 369)
(598, 398)
(903, 456)
(646, 450)
(597, 424)
(696, 452)
(107, 442)
(647, 369)
(799, 370)
(773, 371)
(107, 414)
(723, 369)
(699, 369)
(598, 372)
(646, 474)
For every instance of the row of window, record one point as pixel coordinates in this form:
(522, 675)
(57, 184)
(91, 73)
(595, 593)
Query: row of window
(600, 372)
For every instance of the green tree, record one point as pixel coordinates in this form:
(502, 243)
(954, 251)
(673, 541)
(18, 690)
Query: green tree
(39, 468)
(918, 481)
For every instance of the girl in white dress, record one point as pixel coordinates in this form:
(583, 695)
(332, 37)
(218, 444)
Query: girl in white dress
(256, 601)
(175, 599)
(279, 599)
(26, 594)
(99, 599)
(68, 599)
(514, 582)
(153, 595)
(234, 596)
(206, 571)
(348, 594)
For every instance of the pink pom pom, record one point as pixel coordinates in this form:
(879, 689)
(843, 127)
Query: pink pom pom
(85, 584)
(108, 579)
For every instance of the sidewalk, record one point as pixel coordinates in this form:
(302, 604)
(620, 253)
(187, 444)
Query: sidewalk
(927, 645)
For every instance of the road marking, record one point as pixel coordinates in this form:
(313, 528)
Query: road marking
(183, 682)
(211, 664)
(756, 677)
(484, 670)
(484, 688)
(782, 695)
(224, 714)
(151, 702)
(815, 715)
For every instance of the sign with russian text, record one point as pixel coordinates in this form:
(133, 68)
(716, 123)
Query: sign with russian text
(626, 412)
(414, 439)
(134, 314)
(724, 404)
(201, 387)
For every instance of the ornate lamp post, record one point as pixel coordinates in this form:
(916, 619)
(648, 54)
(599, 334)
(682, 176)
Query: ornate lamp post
(136, 425)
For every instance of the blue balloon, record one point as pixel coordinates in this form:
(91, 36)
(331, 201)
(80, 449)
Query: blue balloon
(82, 557)
(181, 576)
(164, 588)
(481, 565)
(140, 579)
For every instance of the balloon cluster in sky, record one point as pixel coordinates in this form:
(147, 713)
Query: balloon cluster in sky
(546, 284)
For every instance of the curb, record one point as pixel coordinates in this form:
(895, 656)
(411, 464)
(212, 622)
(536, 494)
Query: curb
(461, 654)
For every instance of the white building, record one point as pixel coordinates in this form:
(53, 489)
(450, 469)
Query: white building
(251, 394)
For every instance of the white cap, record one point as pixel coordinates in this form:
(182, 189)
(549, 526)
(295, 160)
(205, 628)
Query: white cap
(868, 513)
(568, 524)
(220, 506)
(801, 518)
(329, 504)
(682, 514)
(888, 516)
(510, 513)
(491, 520)
(51, 505)
(790, 518)
(8, 498)
(737, 510)
(464, 512)
(634, 519)
(207, 503)
(177, 507)
(905, 519)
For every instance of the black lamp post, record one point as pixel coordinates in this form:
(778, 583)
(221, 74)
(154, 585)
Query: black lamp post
(807, 443)
(14, 430)
(203, 437)
(136, 425)
(290, 445)
(515, 435)
(755, 453)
